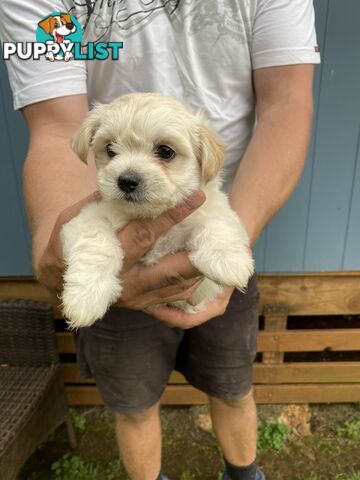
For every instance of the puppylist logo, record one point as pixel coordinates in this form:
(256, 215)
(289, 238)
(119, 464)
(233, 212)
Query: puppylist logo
(59, 37)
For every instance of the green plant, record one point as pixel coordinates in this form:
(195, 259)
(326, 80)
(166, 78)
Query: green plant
(78, 420)
(187, 475)
(353, 476)
(113, 470)
(71, 467)
(312, 476)
(350, 430)
(342, 476)
(272, 435)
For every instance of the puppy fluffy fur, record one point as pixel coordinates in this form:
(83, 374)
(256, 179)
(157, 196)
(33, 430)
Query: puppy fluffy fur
(164, 152)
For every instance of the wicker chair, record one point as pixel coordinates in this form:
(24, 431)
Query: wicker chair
(32, 396)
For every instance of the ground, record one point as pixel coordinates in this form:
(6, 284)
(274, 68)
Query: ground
(321, 443)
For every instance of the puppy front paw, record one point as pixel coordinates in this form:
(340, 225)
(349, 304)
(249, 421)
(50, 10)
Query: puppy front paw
(82, 307)
(231, 268)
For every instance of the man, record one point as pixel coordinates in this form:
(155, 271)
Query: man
(225, 57)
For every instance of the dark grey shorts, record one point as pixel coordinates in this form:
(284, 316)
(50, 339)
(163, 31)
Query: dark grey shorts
(131, 354)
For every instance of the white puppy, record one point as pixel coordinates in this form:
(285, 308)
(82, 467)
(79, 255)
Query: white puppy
(151, 153)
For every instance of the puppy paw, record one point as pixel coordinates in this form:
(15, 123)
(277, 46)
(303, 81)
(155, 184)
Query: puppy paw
(231, 268)
(83, 305)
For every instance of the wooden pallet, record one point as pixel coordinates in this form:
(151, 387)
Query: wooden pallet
(275, 381)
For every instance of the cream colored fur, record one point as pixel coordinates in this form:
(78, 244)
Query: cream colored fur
(134, 126)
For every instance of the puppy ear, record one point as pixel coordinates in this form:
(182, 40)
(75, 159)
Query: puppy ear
(82, 139)
(211, 154)
(46, 25)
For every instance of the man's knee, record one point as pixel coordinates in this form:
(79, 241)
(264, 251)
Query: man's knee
(242, 402)
(138, 418)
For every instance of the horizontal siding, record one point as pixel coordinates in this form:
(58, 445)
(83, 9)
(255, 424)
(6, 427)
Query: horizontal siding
(336, 142)
(14, 238)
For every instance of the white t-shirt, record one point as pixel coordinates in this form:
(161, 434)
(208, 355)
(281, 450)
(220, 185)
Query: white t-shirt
(200, 52)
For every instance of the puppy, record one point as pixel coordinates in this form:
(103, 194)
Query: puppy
(151, 153)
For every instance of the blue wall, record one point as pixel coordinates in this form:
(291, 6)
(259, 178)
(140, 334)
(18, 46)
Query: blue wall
(318, 229)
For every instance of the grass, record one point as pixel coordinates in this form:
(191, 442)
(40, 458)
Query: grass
(352, 476)
(350, 430)
(73, 467)
(330, 453)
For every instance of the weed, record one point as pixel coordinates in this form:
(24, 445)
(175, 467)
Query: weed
(307, 477)
(187, 475)
(272, 435)
(78, 420)
(313, 476)
(113, 470)
(350, 430)
(71, 467)
(353, 476)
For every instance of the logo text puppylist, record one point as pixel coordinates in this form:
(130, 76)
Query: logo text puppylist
(59, 37)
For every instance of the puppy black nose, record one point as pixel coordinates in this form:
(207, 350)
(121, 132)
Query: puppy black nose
(69, 26)
(128, 183)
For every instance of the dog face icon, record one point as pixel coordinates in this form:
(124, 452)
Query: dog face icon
(58, 26)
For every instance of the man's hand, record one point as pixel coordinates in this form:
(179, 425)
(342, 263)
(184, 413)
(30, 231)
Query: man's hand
(173, 278)
(174, 317)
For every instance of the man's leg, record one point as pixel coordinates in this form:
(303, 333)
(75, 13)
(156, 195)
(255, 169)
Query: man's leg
(139, 440)
(235, 426)
(218, 359)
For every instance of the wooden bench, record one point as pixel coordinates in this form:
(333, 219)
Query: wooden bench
(276, 380)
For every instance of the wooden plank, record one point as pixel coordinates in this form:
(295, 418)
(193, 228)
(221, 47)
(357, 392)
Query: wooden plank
(313, 294)
(309, 340)
(307, 372)
(65, 342)
(275, 320)
(271, 394)
(28, 289)
(301, 372)
(286, 341)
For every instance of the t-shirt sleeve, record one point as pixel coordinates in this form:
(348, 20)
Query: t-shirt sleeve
(284, 33)
(33, 81)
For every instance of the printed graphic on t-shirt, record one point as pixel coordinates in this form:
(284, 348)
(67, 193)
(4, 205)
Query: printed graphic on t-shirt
(128, 17)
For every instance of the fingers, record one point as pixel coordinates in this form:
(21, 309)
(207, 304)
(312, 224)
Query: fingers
(174, 317)
(140, 235)
(172, 269)
(163, 295)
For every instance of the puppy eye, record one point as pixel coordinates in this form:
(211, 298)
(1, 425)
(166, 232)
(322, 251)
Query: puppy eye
(110, 152)
(164, 152)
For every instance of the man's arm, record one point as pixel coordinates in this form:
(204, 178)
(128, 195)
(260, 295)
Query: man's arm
(275, 158)
(54, 178)
(271, 166)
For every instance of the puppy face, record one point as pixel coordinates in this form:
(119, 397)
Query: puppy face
(58, 26)
(150, 152)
